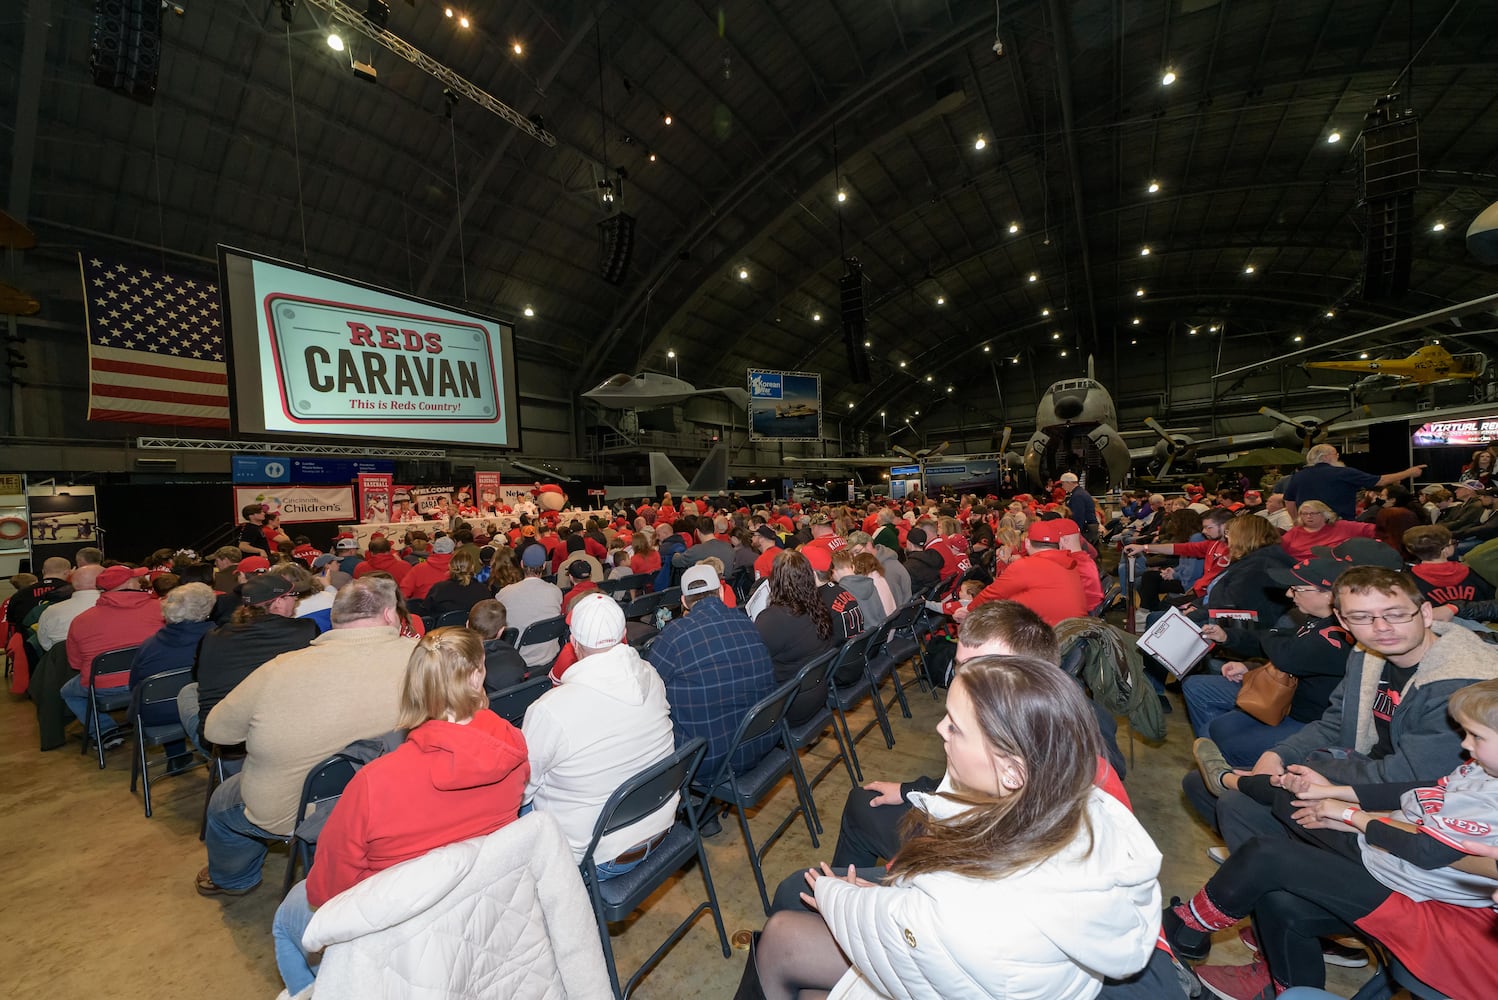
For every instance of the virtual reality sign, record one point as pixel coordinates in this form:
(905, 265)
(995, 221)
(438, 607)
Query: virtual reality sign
(321, 355)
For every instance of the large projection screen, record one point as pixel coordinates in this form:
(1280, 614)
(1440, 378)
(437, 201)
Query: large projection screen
(315, 354)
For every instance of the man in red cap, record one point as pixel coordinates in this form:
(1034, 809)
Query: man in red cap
(124, 615)
(1048, 580)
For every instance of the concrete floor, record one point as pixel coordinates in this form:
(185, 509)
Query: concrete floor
(99, 900)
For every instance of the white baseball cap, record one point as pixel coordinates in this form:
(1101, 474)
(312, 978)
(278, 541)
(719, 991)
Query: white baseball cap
(700, 579)
(597, 621)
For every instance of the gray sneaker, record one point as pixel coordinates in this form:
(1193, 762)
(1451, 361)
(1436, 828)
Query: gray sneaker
(1210, 762)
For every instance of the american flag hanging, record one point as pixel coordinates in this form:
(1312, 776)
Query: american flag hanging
(155, 346)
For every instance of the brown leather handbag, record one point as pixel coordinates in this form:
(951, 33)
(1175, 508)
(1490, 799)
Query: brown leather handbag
(1266, 693)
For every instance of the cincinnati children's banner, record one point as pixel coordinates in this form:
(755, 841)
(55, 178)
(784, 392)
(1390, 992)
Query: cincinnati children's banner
(299, 503)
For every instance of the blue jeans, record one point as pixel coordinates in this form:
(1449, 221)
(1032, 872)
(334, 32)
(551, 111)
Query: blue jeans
(606, 869)
(236, 847)
(290, 923)
(187, 711)
(1210, 701)
(76, 697)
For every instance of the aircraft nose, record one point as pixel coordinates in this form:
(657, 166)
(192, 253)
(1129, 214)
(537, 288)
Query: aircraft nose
(1068, 407)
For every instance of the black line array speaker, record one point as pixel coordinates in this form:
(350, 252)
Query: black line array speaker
(855, 324)
(1391, 175)
(617, 243)
(125, 52)
(1389, 446)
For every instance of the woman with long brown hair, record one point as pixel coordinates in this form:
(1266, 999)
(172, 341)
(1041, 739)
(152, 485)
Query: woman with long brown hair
(461, 590)
(1017, 878)
(796, 627)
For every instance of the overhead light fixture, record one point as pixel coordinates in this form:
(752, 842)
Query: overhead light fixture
(902, 364)
(1154, 187)
(1013, 228)
(850, 406)
(517, 48)
(986, 348)
(868, 343)
(666, 117)
(951, 388)
(918, 413)
(1213, 328)
(1144, 251)
(530, 311)
(1439, 227)
(334, 42)
(463, 21)
(1014, 360)
(670, 354)
(1055, 334)
(1034, 277)
(980, 142)
(1137, 321)
(1168, 78)
(1138, 293)
(651, 156)
(1133, 343)
(941, 300)
(743, 274)
(842, 195)
(816, 317)
(1331, 313)
(1063, 353)
(1191, 330)
(1248, 269)
(928, 378)
(1298, 338)
(448, 11)
(1045, 312)
(1333, 137)
(1363, 356)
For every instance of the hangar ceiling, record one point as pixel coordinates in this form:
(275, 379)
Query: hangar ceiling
(261, 137)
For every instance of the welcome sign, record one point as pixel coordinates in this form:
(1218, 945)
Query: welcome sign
(317, 354)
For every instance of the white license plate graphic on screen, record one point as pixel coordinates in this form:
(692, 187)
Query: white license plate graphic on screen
(339, 362)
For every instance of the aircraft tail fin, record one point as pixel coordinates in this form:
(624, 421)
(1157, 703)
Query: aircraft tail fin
(713, 476)
(663, 473)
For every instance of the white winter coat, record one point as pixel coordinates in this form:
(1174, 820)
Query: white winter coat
(1050, 933)
(607, 721)
(502, 917)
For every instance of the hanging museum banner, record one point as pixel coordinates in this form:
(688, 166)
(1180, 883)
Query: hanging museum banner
(375, 489)
(784, 406)
(297, 504)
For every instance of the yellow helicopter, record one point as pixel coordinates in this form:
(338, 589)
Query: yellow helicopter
(1427, 366)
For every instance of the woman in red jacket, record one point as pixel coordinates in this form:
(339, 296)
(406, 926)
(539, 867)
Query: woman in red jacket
(460, 774)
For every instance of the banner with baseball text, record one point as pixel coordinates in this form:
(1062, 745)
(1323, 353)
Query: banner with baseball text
(296, 504)
(486, 487)
(375, 489)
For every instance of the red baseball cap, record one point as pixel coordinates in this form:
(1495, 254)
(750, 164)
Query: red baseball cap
(820, 557)
(1052, 531)
(254, 564)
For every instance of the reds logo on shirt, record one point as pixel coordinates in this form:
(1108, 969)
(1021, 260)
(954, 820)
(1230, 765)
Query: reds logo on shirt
(1470, 827)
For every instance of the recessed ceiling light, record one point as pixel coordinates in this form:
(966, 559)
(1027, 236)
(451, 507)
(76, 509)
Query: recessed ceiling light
(1298, 338)
(463, 21)
(670, 354)
(816, 317)
(1013, 228)
(868, 343)
(941, 300)
(1154, 187)
(529, 311)
(1191, 331)
(902, 364)
(1034, 277)
(850, 406)
(1137, 321)
(1248, 269)
(986, 348)
(1045, 312)
(1331, 313)
(743, 274)
(1055, 334)
(448, 11)
(928, 378)
(951, 388)
(666, 117)
(1438, 227)
(1133, 343)
(1168, 78)
(518, 49)
(1213, 328)
(918, 413)
(652, 157)
(980, 142)
(1138, 293)
(1144, 251)
(1333, 137)
(842, 195)
(1063, 353)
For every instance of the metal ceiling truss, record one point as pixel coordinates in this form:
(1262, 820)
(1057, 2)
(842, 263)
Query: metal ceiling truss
(286, 448)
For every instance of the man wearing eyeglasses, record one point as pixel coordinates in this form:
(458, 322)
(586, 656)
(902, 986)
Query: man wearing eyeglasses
(1386, 721)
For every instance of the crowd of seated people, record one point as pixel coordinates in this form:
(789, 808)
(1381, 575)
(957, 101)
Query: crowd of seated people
(296, 654)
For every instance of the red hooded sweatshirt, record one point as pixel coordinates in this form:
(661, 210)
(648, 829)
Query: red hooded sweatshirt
(1445, 582)
(119, 619)
(1047, 582)
(424, 574)
(446, 783)
(387, 561)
